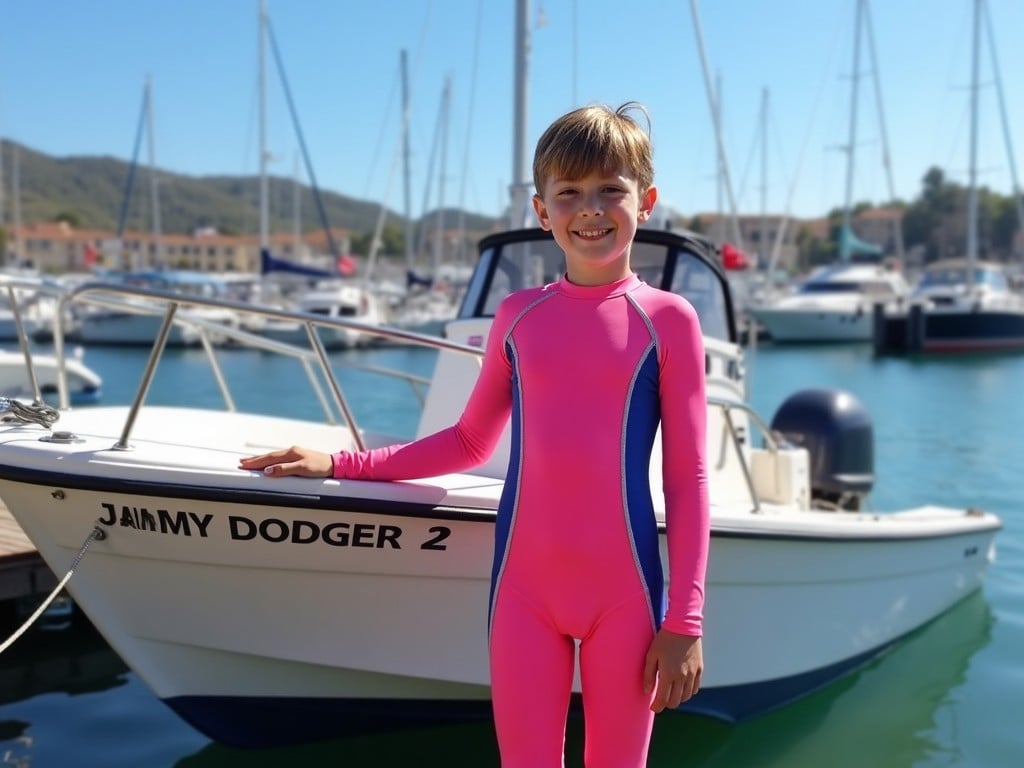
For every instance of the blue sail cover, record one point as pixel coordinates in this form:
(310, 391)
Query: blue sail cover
(270, 263)
(414, 278)
(850, 245)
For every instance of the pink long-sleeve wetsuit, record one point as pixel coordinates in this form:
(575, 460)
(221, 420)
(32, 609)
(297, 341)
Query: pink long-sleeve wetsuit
(587, 373)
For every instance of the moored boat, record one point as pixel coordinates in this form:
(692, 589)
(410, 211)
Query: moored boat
(967, 304)
(273, 613)
(833, 304)
(957, 305)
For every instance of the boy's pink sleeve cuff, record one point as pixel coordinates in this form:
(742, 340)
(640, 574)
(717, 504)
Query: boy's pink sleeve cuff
(338, 460)
(691, 627)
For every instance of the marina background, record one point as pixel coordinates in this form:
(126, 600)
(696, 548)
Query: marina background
(71, 84)
(946, 431)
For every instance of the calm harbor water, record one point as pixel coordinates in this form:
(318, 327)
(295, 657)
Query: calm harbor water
(946, 431)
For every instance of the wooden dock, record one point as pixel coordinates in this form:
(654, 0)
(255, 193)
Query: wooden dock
(22, 570)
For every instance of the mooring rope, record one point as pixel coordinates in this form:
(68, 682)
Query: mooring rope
(36, 413)
(97, 533)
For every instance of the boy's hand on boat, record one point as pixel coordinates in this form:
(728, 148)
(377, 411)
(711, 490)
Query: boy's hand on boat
(295, 461)
(673, 669)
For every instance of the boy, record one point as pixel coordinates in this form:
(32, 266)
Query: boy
(588, 367)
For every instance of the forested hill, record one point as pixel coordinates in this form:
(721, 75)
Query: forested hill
(90, 192)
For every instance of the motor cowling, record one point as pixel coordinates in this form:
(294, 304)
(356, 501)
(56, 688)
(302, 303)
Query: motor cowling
(838, 434)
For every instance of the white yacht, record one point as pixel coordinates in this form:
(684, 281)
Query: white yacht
(835, 303)
(331, 299)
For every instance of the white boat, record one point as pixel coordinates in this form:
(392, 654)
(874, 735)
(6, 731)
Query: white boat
(84, 384)
(835, 303)
(425, 312)
(33, 304)
(268, 613)
(957, 305)
(27, 373)
(131, 322)
(331, 299)
(967, 304)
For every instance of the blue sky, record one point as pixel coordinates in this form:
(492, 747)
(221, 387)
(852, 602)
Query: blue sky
(72, 75)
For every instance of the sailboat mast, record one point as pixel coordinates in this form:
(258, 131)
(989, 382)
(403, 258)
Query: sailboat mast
(846, 235)
(406, 161)
(764, 174)
(446, 96)
(1018, 198)
(19, 236)
(154, 182)
(713, 100)
(719, 171)
(972, 170)
(296, 207)
(886, 155)
(2, 254)
(520, 187)
(264, 181)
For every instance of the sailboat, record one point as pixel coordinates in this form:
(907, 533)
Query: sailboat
(835, 302)
(965, 304)
(312, 291)
(122, 322)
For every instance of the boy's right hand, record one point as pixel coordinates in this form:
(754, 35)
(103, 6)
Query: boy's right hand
(297, 461)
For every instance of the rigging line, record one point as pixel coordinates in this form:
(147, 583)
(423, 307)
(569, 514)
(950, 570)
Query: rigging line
(379, 144)
(1016, 191)
(957, 51)
(780, 233)
(126, 200)
(331, 244)
(375, 241)
(417, 58)
(461, 227)
(434, 149)
(751, 153)
(96, 534)
(245, 209)
(780, 150)
(712, 98)
(405, 122)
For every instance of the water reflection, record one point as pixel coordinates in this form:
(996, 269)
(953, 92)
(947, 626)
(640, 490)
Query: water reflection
(75, 661)
(883, 715)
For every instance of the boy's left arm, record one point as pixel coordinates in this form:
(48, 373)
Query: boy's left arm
(674, 663)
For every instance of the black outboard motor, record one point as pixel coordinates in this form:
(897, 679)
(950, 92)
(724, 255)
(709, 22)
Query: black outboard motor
(836, 430)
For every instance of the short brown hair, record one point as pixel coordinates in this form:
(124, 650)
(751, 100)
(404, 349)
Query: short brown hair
(595, 138)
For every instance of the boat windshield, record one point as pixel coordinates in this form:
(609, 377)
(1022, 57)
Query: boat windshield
(952, 276)
(513, 261)
(836, 287)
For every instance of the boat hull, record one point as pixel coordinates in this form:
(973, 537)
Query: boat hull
(242, 601)
(810, 324)
(991, 330)
(950, 330)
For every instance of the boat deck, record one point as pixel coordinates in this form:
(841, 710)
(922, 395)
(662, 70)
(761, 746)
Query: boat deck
(22, 570)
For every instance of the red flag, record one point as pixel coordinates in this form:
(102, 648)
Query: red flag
(89, 255)
(346, 265)
(733, 258)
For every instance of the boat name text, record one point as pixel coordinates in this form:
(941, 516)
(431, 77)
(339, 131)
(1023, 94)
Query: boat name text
(367, 535)
(140, 518)
(271, 529)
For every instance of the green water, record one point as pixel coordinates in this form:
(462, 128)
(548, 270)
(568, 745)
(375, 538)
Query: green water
(946, 431)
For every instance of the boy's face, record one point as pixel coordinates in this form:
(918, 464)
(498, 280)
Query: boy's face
(593, 220)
